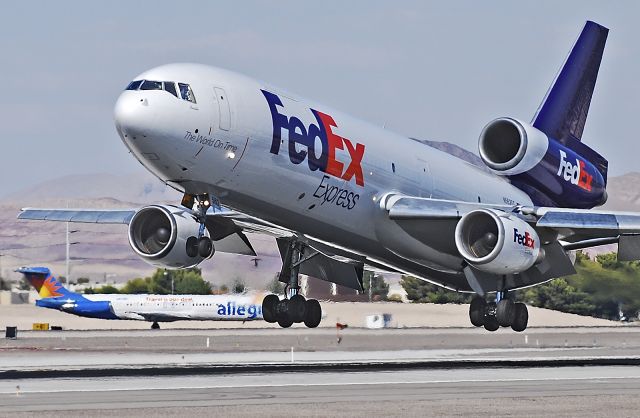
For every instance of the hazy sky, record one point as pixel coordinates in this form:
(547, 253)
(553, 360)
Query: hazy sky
(435, 70)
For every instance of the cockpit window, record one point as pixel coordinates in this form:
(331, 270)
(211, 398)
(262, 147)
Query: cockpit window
(151, 85)
(186, 92)
(134, 85)
(170, 86)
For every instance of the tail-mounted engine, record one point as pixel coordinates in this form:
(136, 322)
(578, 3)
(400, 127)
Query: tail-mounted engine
(566, 174)
(167, 237)
(497, 242)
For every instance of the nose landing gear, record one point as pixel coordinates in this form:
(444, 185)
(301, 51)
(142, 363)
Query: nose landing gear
(502, 313)
(201, 245)
(294, 308)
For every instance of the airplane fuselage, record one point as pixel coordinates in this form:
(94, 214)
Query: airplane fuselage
(300, 165)
(160, 308)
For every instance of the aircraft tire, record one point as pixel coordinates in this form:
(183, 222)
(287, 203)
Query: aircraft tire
(269, 308)
(505, 312)
(521, 317)
(205, 247)
(477, 311)
(313, 314)
(297, 308)
(284, 321)
(491, 323)
(192, 246)
(155, 325)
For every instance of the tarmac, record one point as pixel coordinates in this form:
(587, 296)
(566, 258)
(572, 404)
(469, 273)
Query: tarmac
(566, 370)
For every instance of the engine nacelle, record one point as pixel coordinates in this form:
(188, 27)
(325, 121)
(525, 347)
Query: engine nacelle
(160, 235)
(497, 242)
(509, 146)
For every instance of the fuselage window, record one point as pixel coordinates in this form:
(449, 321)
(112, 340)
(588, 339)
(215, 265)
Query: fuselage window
(151, 85)
(186, 92)
(170, 86)
(134, 85)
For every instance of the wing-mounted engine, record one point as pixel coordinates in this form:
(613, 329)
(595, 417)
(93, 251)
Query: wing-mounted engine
(568, 174)
(167, 237)
(497, 242)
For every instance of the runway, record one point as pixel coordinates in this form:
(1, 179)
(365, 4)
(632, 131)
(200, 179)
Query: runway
(570, 391)
(300, 372)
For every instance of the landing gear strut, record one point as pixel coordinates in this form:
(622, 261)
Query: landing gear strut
(201, 245)
(501, 313)
(155, 325)
(294, 308)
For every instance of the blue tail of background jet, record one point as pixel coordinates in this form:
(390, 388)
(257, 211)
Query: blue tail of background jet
(54, 295)
(44, 282)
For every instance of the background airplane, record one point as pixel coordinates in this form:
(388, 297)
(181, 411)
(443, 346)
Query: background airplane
(339, 193)
(151, 308)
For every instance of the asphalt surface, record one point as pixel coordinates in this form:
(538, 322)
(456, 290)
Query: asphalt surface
(444, 372)
(582, 391)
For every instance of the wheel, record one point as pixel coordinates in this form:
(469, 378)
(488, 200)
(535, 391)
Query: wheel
(269, 308)
(192, 246)
(505, 312)
(297, 308)
(491, 323)
(521, 317)
(477, 311)
(205, 247)
(284, 322)
(313, 314)
(155, 325)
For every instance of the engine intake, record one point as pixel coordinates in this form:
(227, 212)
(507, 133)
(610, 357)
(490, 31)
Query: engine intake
(509, 146)
(497, 242)
(166, 237)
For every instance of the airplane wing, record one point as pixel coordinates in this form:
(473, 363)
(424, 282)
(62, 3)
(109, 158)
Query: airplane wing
(576, 228)
(226, 227)
(160, 317)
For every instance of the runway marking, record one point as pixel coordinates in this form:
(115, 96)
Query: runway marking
(284, 385)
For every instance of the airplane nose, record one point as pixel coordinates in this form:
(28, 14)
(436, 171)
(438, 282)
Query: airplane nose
(131, 114)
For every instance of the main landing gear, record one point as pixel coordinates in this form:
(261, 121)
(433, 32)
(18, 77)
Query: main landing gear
(155, 325)
(201, 245)
(294, 308)
(502, 313)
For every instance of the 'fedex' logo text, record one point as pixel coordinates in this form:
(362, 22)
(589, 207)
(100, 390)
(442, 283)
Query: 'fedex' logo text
(576, 174)
(525, 240)
(302, 143)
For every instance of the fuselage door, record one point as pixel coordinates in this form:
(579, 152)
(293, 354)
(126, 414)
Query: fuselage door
(224, 113)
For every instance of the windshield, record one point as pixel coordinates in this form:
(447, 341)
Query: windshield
(183, 90)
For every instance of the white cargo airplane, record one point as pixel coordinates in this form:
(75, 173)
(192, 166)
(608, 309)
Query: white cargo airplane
(151, 308)
(341, 194)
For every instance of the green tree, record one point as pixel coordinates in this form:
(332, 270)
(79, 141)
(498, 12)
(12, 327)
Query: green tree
(136, 286)
(160, 282)
(379, 288)
(420, 291)
(238, 286)
(275, 286)
(4, 284)
(185, 281)
(190, 282)
(106, 289)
